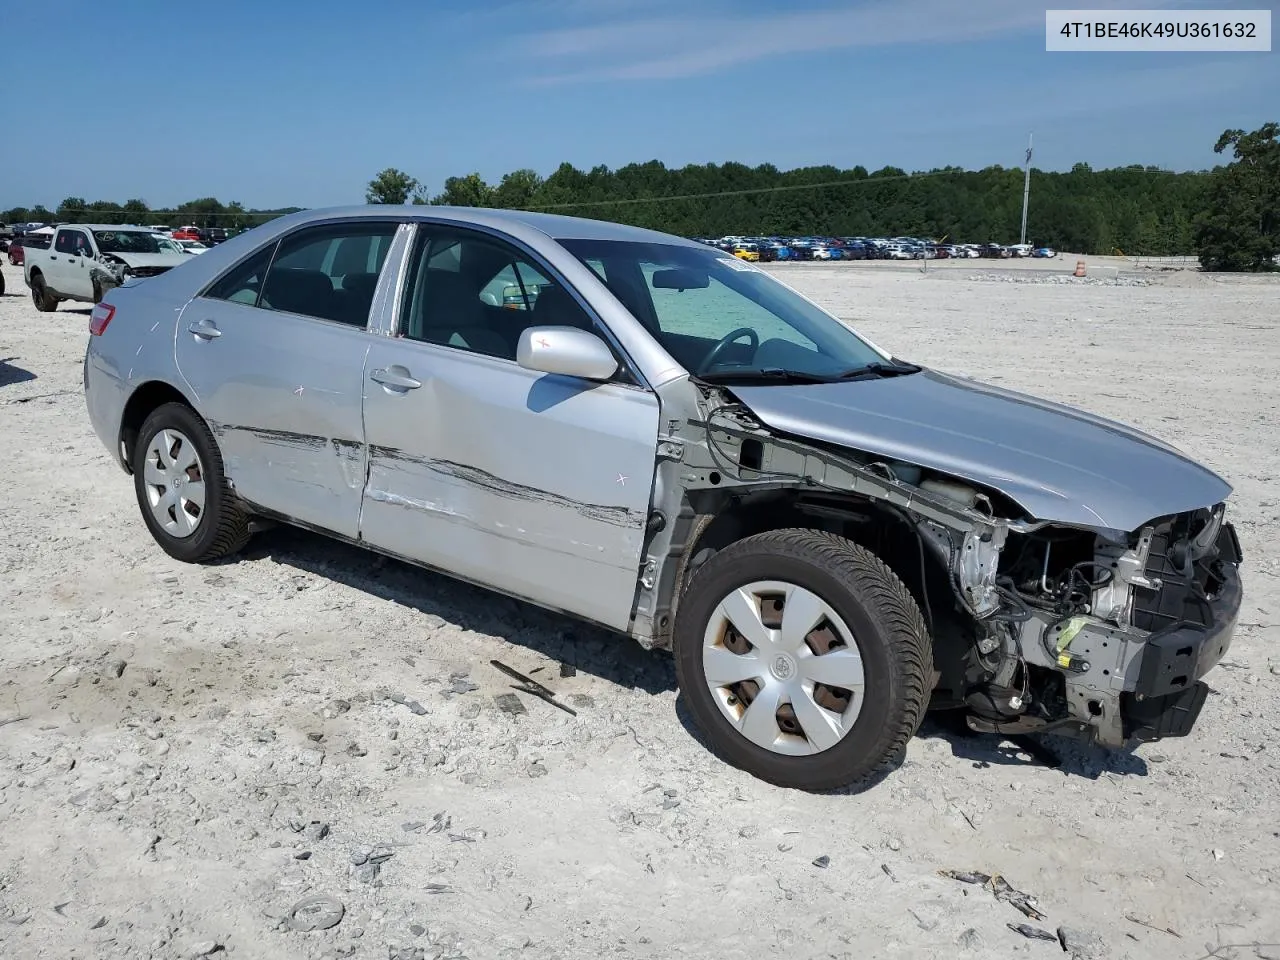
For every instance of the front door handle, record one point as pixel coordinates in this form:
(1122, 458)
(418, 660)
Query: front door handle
(205, 329)
(392, 377)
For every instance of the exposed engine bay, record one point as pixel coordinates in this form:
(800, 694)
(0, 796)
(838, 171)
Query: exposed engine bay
(1036, 626)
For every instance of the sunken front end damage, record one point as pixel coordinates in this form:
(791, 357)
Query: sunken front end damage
(1102, 635)
(1037, 625)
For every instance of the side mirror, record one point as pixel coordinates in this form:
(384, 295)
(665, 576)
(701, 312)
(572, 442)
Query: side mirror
(567, 351)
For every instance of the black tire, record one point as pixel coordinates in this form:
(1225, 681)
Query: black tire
(223, 527)
(45, 301)
(891, 635)
(97, 291)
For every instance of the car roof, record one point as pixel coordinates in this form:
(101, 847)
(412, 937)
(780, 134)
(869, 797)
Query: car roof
(556, 226)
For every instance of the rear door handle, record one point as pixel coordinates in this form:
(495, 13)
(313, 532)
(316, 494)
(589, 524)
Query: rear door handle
(392, 377)
(205, 329)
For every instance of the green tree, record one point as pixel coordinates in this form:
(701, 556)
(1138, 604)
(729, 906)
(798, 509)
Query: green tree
(73, 210)
(391, 186)
(468, 191)
(516, 190)
(1240, 229)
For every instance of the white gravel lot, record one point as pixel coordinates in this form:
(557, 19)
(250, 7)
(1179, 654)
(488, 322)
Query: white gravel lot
(174, 739)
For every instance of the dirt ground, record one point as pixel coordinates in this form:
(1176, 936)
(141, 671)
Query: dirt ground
(188, 752)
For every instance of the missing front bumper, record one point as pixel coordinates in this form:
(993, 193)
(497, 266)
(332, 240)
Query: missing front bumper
(1168, 694)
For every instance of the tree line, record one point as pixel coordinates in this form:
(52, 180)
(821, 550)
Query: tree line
(205, 212)
(1229, 216)
(1138, 210)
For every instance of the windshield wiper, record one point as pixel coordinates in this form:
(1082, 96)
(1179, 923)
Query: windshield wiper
(770, 374)
(877, 369)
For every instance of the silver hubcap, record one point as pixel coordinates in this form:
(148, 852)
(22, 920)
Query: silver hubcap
(783, 667)
(174, 480)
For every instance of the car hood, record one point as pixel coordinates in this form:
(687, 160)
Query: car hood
(149, 259)
(1058, 463)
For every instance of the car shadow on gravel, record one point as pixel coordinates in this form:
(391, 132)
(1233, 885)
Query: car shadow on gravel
(609, 656)
(11, 374)
(1073, 757)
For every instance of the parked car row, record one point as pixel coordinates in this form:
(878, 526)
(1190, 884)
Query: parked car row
(768, 249)
(186, 240)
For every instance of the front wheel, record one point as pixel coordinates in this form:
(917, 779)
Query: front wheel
(182, 490)
(803, 659)
(45, 301)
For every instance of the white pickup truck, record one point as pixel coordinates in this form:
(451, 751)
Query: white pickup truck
(86, 260)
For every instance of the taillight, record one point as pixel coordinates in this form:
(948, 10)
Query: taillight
(99, 319)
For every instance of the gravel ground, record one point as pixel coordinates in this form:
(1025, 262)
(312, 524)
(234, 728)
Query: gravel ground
(186, 753)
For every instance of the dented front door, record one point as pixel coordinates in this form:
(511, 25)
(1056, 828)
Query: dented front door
(533, 484)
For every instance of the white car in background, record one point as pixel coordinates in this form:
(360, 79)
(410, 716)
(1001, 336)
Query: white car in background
(190, 246)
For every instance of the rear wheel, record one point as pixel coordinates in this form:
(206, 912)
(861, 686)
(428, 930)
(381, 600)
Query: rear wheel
(182, 490)
(45, 301)
(803, 659)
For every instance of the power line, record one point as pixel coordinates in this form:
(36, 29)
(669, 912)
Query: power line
(631, 201)
(813, 186)
(785, 188)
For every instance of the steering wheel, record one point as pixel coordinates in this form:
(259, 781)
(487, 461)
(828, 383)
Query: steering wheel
(711, 358)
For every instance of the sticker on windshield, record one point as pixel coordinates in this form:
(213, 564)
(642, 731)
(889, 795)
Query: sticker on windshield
(735, 264)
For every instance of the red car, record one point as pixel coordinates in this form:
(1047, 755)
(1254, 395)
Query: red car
(17, 255)
(186, 233)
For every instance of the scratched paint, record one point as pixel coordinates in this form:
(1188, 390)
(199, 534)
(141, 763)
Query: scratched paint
(551, 541)
(385, 463)
(511, 490)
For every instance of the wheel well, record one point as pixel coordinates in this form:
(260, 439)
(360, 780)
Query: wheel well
(145, 399)
(885, 531)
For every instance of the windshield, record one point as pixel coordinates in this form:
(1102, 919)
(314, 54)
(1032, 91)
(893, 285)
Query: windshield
(716, 314)
(126, 241)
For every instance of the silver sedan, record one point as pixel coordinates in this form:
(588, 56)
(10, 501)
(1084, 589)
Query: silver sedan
(650, 434)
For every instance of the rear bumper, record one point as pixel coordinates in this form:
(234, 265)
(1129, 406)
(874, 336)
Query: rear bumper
(1169, 694)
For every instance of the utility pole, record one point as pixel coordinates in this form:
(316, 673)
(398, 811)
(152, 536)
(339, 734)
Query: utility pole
(1026, 193)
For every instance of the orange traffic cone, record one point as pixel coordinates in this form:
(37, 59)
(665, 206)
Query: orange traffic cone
(1079, 268)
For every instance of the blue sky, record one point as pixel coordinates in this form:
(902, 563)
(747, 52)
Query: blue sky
(279, 102)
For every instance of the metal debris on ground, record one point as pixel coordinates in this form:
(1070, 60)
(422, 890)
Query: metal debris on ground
(440, 823)
(888, 873)
(568, 670)
(822, 862)
(964, 876)
(413, 705)
(1033, 933)
(523, 678)
(1023, 902)
(533, 687)
(509, 703)
(316, 913)
(1000, 889)
(435, 887)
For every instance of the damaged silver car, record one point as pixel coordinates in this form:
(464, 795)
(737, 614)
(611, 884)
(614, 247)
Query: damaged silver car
(651, 435)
